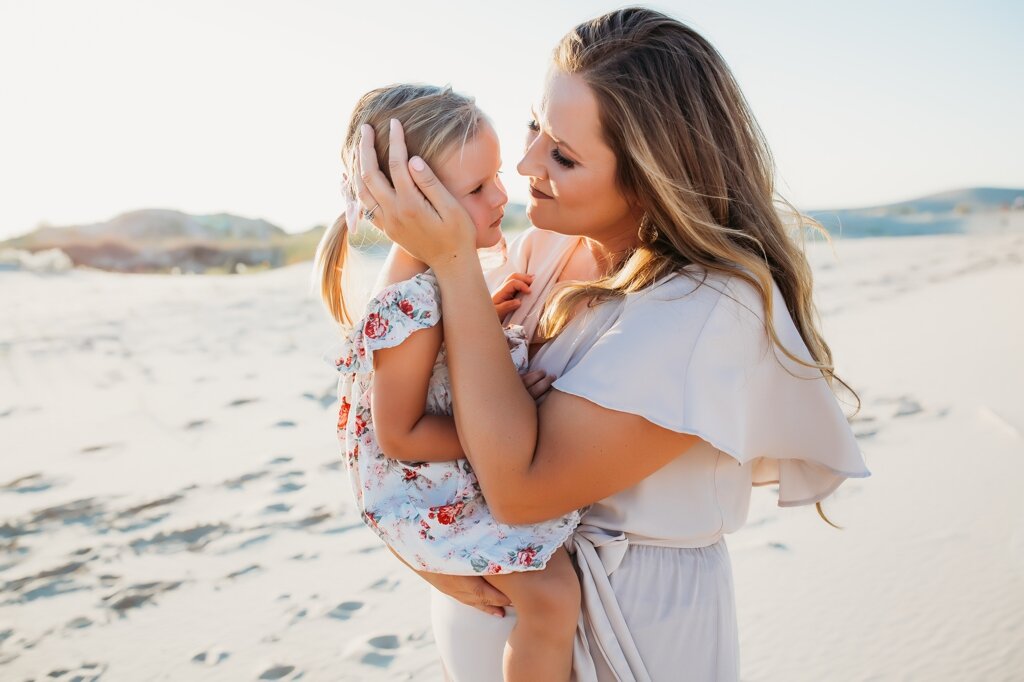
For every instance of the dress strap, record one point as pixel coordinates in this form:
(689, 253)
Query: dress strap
(602, 630)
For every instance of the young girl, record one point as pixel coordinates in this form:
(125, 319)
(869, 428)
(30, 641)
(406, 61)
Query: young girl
(410, 478)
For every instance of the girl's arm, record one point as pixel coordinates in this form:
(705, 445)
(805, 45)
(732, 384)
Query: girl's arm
(398, 267)
(399, 397)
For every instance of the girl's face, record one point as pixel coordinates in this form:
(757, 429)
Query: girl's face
(572, 170)
(470, 173)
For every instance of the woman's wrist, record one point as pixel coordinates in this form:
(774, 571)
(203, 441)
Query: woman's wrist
(455, 262)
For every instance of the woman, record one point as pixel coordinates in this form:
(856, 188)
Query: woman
(677, 315)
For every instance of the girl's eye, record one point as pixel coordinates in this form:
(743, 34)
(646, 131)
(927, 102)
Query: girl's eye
(477, 190)
(532, 125)
(561, 160)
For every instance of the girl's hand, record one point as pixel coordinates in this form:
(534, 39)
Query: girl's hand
(538, 383)
(417, 213)
(471, 590)
(504, 298)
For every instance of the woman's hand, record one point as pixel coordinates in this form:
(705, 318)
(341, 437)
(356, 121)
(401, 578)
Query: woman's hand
(504, 298)
(538, 383)
(418, 212)
(470, 590)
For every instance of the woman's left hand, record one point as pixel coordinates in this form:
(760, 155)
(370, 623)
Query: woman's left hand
(417, 213)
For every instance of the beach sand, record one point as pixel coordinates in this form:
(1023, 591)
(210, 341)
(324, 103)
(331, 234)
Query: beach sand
(173, 505)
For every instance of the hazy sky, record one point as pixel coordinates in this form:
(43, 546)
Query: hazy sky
(240, 105)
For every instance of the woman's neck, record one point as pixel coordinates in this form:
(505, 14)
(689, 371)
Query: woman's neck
(609, 253)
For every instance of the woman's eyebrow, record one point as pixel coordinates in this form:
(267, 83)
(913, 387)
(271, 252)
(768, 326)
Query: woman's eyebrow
(552, 135)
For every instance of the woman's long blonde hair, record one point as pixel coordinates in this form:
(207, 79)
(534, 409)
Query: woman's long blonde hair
(692, 156)
(434, 119)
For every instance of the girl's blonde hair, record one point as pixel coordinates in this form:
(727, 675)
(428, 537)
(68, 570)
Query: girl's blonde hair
(692, 156)
(434, 119)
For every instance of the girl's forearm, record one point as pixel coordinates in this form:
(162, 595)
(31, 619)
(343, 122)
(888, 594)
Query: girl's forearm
(495, 415)
(431, 439)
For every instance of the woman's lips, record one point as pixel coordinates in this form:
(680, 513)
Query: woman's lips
(497, 223)
(537, 194)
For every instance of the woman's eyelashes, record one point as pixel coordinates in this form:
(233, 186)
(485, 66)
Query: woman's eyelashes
(561, 160)
(555, 154)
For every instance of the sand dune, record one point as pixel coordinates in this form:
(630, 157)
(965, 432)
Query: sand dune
(172, 504)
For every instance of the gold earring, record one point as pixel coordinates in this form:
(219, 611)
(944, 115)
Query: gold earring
(648, 232)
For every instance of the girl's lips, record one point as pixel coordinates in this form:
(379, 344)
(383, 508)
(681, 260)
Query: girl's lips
(537, 194)
(497, 223)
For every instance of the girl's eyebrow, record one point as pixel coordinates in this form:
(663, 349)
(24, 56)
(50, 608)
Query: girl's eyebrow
(554, 137)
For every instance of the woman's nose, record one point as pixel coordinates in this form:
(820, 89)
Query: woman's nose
(530, 164)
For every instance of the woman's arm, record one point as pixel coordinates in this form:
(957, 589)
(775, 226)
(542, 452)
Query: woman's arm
(531, 467)
(399, 397)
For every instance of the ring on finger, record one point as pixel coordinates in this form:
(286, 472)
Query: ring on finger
(369, 214)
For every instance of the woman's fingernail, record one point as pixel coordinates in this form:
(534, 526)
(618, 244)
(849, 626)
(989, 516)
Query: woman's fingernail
(393, 123)
(417, 163)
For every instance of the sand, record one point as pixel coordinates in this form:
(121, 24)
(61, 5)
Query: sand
(173, 507)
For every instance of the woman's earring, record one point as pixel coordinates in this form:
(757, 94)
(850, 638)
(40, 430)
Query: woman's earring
(648, 232)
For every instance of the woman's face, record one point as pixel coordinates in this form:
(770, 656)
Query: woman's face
(572, 170)
(470, 173)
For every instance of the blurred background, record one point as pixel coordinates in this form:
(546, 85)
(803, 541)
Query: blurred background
(208, 133)
(172, 501)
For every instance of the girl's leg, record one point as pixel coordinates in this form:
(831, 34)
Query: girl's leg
(547, 608)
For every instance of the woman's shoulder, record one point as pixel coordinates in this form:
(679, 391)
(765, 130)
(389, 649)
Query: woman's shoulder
(694, 293)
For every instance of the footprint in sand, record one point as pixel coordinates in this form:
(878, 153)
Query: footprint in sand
(195, 424)
(211, 657)
(908, 407)
(277, 672)
(33, 483)
(284, 423)
(78, 623)
(378, 651)
(283, 459)
(97, 448)
(253, 568)
(86, 672)
(241, 401)
(345, 610)
(240, 481)
(287, 485)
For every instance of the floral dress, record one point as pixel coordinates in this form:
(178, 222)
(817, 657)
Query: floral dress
(431, 513)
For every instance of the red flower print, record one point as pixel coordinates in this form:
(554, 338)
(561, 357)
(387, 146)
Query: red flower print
(343, 413)
(493, 568)
(447, 513)
(376, 326)
(405, 307)
(526, 555)
(360, 425)
(410, 474)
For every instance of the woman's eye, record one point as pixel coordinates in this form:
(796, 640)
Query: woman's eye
(532, 125)
(477, 190)
(561, 160)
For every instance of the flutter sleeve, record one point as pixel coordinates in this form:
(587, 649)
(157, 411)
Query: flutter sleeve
(692, 355)
(390, 318)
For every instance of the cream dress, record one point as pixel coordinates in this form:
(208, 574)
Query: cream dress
(689, 354)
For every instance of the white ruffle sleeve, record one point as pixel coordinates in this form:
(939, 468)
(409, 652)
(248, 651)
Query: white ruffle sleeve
(696, 358)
